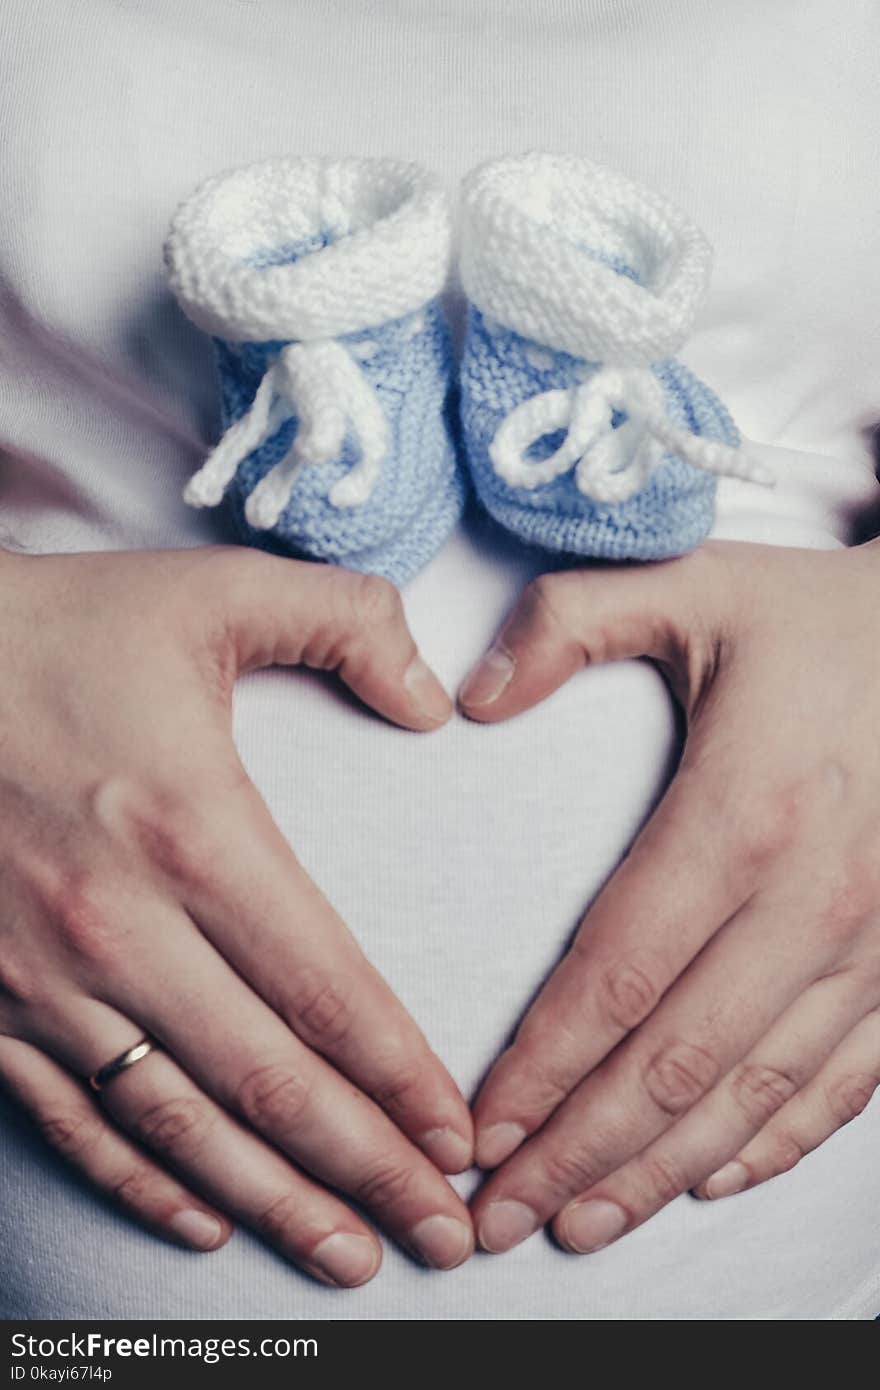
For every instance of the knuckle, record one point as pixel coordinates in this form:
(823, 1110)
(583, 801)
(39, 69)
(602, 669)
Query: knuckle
(400, 1083)
(767, 828)
(551, 604)
(113, 802)
(849, 1096)
(71, 1132)
(87, 930)
(375, 600)
(174, 834)
(321, 1008)
(850, 901)
(784, 1152)
(759, 1090)
(541, 600)
(273, 1098)
(541, 1084)
(279, 1221)
(134, 1189)
(664, 1179)
(388, 1184)
(626, 994)
(571, 1170)
(19, 984)
(178, 1127)
(540, 591)
(678, 1075)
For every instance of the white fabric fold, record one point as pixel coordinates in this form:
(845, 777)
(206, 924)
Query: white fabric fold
(323, 387)
(550, 246)
(380, 229)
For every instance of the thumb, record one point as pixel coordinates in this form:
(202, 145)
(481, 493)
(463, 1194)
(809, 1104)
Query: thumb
(575, 618)
(289, 613)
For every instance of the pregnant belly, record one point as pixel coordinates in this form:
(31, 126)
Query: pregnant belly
(462, 860)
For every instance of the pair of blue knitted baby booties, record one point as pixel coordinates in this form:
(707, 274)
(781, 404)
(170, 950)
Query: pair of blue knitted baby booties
(345, 439)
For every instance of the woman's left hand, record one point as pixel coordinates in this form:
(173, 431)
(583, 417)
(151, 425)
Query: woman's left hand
(718, 1014)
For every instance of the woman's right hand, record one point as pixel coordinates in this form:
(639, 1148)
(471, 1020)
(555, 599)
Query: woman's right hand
(144, 888)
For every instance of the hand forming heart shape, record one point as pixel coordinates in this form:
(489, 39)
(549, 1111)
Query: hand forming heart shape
(147, 890)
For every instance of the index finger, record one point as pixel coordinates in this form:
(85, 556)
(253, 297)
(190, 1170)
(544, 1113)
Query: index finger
(676, 889)
(712, 1018)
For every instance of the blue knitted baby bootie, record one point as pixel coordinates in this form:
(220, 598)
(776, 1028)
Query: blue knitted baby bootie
(318, 280)
(584, 435)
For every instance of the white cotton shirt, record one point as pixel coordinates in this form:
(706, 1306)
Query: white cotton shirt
(462, 861)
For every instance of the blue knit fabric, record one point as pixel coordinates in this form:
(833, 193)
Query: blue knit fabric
(421, 489)
(671, 515)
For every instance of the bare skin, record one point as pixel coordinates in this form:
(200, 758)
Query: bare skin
(718, 1014)
(144, 888)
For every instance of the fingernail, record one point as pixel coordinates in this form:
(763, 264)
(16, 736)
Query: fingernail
(427, 692)
(346, 1258)
(589, 1225)
(498, 1142)
(442, 1240)
(487, 681)
(504, 1224)
(197, 1228)
(449, 1150)
(729, 1179)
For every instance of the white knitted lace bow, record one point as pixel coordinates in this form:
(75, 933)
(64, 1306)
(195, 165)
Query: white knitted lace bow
(611, 463)
(323, 387)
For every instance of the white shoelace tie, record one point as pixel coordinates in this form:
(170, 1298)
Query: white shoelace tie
(322, 385)
(611, 464)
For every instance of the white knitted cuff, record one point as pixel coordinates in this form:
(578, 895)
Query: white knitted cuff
(544, 240)
(387, 228)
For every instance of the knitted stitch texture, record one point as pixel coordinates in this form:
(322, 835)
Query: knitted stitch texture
(583, 433)
(318, 281)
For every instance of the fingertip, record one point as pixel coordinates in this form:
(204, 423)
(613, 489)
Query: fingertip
(426, 693)
(585, 1226)
(199, 1229)
(507, 682)
(503, 1222)
(448, 1149)
(726, 1181)
(496, 1142)
(442, 1241)
(346, 1259)
(486, 683)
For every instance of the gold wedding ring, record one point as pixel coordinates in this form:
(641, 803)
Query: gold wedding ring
(99, 1079)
